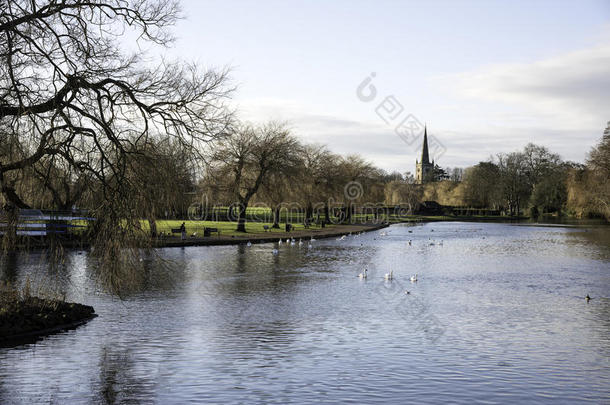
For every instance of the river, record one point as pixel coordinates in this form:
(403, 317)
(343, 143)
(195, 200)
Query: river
(498, 315)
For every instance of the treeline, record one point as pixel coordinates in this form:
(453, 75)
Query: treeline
(533, 182)
(267, 165)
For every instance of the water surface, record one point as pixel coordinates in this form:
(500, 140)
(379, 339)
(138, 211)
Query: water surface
(497, 316)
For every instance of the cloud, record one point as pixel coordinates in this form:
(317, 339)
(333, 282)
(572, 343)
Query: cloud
(376, 141)
(561, 102)
(571, 90)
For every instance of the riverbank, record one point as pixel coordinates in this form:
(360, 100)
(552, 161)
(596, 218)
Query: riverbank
(31, 318)
(258, 234)
(271, 236)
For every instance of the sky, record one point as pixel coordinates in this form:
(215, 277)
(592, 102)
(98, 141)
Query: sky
(485, 76)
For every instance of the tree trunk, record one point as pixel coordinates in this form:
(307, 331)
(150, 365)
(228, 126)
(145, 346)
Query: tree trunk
(276, 217)
(326, 213)
(10, 232)
(152, 224)
(241, 221)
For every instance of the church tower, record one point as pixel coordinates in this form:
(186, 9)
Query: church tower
(424, 169)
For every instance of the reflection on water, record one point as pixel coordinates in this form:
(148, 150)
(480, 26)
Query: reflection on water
(497, 315)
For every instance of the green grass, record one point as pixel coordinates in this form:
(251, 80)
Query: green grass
(225, 228)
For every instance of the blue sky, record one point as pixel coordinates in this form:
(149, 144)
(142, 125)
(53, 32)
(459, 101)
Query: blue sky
(486, 76)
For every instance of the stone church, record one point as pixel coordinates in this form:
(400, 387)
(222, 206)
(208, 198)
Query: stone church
(424, 169)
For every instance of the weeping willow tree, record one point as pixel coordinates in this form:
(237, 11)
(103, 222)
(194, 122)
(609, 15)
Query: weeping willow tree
(72, 97)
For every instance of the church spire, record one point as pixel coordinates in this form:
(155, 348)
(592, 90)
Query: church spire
(425, 158)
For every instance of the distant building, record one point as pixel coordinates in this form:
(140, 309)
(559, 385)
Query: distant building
(424, 169)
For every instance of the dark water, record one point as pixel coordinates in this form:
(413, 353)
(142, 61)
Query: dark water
(498, 315)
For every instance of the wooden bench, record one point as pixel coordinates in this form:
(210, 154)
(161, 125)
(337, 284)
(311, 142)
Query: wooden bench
(208, 231)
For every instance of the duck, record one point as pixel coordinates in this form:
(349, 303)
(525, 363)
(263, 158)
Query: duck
(390, 275)
(409, 242)
(414, 278)
(363, 274)
(587, 298)
(249, 244)
(275, 251)
(407, 292)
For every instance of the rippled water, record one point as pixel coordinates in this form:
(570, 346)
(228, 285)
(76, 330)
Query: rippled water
(497, 316)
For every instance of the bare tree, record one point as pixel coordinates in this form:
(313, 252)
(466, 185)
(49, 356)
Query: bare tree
(71, 95)
(243, 161)
(67, 90)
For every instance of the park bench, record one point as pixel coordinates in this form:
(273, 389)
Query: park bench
(208, 231)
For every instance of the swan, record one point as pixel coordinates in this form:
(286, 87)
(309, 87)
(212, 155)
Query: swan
(310, 245)
(414, 278)
(280, 242)
(363, 274)
(313, 239)
(300, 242)
(390, 275)
(587, 298)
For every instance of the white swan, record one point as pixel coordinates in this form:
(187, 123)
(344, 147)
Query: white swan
(414, 278)
(280, 242)
(300, 242)
(390, 275)
(363, 274)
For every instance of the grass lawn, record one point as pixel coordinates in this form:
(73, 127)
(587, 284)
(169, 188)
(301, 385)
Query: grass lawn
(225, 228)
